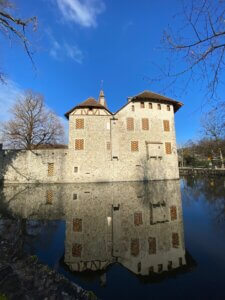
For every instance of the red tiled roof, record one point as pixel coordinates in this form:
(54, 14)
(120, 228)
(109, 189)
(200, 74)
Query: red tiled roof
(89, 103)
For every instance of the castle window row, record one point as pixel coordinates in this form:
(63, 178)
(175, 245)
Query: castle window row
(152, 245)
(149, 105)
(130, 124)
(145, 124)
(134, 146)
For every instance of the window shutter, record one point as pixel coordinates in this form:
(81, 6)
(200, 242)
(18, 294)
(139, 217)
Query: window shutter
(173, 213)
(76, 250)
(134, 146)
(175, 240)
(152, 245)
(77, 225)
(79, 123)
(166, 125)
(49, 197)
(168, 148)
(79, 144)
(50, 169)
(145, 124)
(138, 218)
(130, 124)
(134, 247)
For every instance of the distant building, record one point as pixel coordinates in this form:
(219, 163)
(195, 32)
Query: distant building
(136, 143)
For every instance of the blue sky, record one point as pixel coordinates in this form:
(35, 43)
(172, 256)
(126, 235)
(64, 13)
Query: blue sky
(81, 42)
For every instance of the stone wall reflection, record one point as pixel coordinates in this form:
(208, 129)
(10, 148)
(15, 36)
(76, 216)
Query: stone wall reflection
(136, 224)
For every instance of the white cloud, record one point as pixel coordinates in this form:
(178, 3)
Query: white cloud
(60, 51)
(74, 53)
(82, 12)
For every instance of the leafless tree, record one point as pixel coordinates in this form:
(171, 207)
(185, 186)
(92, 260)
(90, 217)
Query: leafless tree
(213, 123)
(13, 27)
(32, 124)
(196, 48)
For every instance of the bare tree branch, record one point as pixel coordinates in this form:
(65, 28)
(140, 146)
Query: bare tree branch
(32, 124)
(196, 52)
(11, 27)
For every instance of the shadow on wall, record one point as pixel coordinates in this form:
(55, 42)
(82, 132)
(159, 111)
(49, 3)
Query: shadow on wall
(151, 169)
(6, 159)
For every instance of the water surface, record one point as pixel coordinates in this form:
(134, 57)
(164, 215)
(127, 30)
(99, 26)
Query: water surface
(126, 240)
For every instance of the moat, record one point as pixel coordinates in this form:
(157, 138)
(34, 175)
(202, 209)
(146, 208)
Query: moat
(129, 240)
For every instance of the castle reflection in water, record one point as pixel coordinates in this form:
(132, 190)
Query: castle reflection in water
(138, 225)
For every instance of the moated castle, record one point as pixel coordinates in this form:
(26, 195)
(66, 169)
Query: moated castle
(136, 143)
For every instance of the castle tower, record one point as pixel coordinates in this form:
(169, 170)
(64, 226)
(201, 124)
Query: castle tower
(101, 99)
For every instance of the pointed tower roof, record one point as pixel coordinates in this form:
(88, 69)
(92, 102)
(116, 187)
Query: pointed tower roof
(101, 98)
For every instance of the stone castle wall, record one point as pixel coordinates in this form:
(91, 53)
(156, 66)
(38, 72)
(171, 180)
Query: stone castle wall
(106, 155)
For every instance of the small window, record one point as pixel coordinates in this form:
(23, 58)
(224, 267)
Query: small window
(159, 106)
(150, 105)
(142, 105)
(74, 196)
(173, 213)
(50, 169)
(108, 146)
(138, 218)
(139, 267)
(175, 240)
(49, 197)
(79, 144)
(152, 245)
(76, 250)
(79, 123)
(77, 225)
(160, 268)
(134, 146)
(166, 125)
(170, 265)
(168, 107)
(130, 124)
(132, 108)
(180, 261)
(134, 247)
(145, 124)
(168, 148)
(75, 169)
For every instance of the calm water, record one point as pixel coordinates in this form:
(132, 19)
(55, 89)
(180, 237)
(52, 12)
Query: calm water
(126, 240)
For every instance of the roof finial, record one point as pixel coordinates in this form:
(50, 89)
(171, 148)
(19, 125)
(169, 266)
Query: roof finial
(101, 98)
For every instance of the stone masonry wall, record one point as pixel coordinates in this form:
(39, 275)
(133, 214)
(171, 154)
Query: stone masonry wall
(106, 154)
